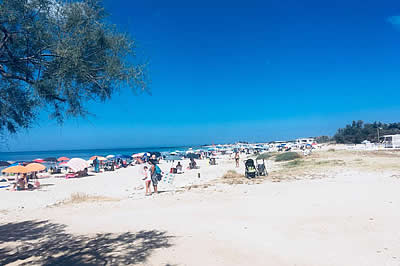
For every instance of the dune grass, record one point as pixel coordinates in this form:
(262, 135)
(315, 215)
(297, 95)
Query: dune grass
(295, 163)
(287, 156)
(231, 174)
(77, 198)
(264, 156)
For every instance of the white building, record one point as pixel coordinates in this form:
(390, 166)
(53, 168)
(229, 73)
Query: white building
(305, 141)
(391, 141)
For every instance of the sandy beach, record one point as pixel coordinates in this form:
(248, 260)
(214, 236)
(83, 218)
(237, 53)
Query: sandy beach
(334, 207)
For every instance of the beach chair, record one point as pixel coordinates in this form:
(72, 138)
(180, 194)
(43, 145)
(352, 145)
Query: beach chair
(71, 175)
(168, 179)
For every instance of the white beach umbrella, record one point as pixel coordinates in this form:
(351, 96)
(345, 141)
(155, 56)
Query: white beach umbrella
(77, 164)
(138, 155)
(110, 156)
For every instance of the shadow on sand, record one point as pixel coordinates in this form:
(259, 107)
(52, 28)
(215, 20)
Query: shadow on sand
(45, 243)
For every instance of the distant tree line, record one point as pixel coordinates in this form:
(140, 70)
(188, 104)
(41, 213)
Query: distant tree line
(323, 139)
(357, 132)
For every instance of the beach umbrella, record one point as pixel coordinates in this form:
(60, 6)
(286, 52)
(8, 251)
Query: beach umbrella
(100, 158)
(3, 163)
(50, 159)
(77, 164)
(35, 167)
(192, 156)
(138, 155)
(61, 159)
(38, 161)
(18, 169)
(156, 153)
(110, 156)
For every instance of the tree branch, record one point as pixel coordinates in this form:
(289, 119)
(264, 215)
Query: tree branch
(6, 75)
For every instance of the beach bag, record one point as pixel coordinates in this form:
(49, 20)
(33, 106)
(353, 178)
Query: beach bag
(158, 170)
(158, 173)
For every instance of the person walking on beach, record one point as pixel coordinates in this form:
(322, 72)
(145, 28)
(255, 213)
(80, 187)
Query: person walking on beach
(147, 180)
(96, 165)
(153, 172)
(237, 157)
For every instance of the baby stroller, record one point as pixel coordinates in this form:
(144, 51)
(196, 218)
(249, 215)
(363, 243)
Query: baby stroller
(212, 161)
(250, 171)
(261, 169)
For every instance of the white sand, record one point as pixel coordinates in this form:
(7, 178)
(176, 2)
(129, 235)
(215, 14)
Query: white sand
(349, 219)
(120, 184)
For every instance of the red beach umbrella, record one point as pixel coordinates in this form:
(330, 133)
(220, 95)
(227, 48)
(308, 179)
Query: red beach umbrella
(38, 160)
(63, 159)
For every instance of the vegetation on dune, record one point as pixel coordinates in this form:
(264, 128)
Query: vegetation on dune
(264, 156)
(287, 156)
(57, 55)
(295, 163)
(232, 174)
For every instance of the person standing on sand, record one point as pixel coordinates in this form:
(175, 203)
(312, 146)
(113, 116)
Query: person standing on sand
(237, 157)
(96, 165)
(154, 179)
(147, 180)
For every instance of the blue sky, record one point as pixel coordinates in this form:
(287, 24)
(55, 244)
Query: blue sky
(254, 70)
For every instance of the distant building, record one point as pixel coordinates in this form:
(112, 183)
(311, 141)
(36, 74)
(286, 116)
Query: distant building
(305, 141)
(391, 141)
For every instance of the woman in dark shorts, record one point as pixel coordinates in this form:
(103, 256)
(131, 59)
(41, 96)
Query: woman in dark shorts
(237, 159)
(154, 179)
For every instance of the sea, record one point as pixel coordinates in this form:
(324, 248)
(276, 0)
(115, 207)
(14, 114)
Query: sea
(84, 153)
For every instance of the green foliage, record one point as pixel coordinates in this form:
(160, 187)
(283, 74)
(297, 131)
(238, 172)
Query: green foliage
(59, 55)
(358, 132)
(295, 163)
(322, 139)
(287, 156)
(264, 156)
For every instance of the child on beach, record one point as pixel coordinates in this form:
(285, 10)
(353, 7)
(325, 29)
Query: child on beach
(147, 180)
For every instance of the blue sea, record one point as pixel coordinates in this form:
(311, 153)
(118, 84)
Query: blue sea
(84, 154)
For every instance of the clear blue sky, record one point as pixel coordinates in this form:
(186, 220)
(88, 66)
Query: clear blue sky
(243, 70)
